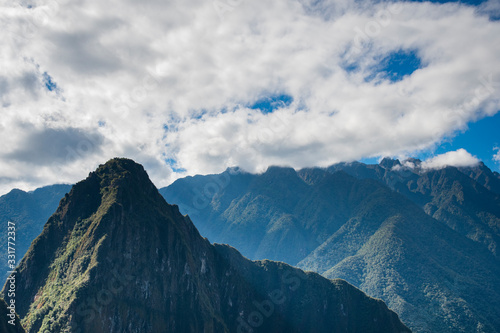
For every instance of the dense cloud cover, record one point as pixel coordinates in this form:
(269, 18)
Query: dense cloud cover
(171, 84)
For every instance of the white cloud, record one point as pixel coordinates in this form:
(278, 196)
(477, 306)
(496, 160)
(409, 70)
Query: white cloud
(458, 158)
(128, 74)
(496, 157)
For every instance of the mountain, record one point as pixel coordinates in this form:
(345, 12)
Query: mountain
(484, 176)
(466, 199)
(29, 211)
(276, 215)
(116, 257)
(9, 322)
(381, 238)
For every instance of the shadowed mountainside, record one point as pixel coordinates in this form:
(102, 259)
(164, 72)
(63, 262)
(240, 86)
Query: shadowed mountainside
(9, 323)
(425, 245)
(29, 211)
(116, 257)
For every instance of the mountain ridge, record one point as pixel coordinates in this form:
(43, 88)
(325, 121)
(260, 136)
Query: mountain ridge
(442, 194)
(364, 221)
(116, 257)
(450, 195)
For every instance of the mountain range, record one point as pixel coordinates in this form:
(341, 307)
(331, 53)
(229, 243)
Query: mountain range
(466, 199)
(116, 257)
(423, 240)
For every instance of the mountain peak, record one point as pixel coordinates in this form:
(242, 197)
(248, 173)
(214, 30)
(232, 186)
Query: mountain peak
(119, 165)
(389, 163)
(117, 257)
(275, 170)
(119, 172)
(121, 181)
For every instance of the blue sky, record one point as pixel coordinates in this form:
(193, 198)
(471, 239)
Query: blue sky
(479, 139)
(272, 102)
(399, 64)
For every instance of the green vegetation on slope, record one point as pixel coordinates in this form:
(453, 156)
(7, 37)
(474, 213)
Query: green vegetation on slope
(116, 257)
(438, 277)
(9, 322)
(29, 211)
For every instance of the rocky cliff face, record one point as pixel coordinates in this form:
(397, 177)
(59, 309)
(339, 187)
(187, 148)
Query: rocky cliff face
(9, 321)
(115, 257)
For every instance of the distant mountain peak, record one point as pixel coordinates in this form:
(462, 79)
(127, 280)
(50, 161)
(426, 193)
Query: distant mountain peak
(234, 170)
(389, 163)
(279, 170)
